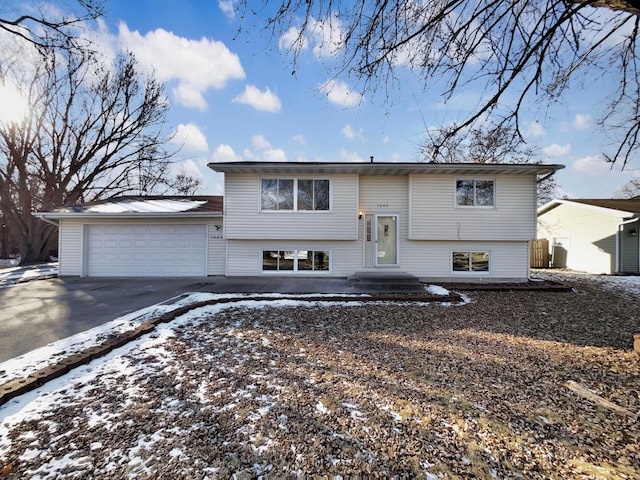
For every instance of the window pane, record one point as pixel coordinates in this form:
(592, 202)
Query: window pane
(269, 194)
(464, 192)
(305, 194)
(286, 260)
(305, 260)
(484, 193)
(460, 261)
(321, 194)
(480, 261)
(269, 260)
(321, 260)
(285, 194)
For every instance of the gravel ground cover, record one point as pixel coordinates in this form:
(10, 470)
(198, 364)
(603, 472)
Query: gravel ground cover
(299, 389)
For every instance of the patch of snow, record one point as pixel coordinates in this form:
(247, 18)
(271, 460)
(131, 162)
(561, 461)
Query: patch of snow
(146, 206)
(437, 290)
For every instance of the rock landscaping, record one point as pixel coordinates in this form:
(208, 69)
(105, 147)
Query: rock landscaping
(509, 384)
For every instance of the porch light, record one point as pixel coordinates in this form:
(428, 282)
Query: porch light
(360, 213)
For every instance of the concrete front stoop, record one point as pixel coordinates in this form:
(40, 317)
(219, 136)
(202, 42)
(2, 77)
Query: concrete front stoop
(386, 281)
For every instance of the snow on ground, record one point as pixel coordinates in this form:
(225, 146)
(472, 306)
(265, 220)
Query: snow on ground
(627, 283)
(281, 383)
(15, 274)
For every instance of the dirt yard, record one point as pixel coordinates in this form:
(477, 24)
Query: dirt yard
(523, 384)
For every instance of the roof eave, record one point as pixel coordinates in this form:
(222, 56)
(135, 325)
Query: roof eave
(384, 168)
(95, 215)
(554, 203)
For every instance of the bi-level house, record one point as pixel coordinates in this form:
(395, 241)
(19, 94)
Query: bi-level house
(453, 222)
(435, 221)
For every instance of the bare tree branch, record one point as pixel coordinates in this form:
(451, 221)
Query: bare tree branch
(514, 52)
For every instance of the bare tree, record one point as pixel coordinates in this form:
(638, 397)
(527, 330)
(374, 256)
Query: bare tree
(93, 131)
(513, 51)
(185, 184)
(631, 189)
(46, 28)
(489, 143)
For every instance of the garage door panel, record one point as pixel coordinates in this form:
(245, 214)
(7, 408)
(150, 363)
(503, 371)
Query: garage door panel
(146, 250)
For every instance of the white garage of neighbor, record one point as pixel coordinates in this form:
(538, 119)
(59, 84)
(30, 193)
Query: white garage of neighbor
(141, 237)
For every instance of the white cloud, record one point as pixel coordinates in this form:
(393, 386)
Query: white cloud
(593, 165)
(259, 142)
(339, 93)
(197, 65)
(299, 139)
(186, 96)
(555, 150)
(350, 156)
(191, 138)
(266, 101)
(292, 40)
(224, 153)
(350, 133)
(228, 8)
(534, 129)
(274, 155)
(188, 167)
(325, 36)
(386, 139)
(582, 122)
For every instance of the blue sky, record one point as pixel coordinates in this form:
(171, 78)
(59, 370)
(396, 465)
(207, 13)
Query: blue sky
(233, 97)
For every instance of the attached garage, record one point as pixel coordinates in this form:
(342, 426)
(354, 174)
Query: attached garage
(153, 236)
(146, 250)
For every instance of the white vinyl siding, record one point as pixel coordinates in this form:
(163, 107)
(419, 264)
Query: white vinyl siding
(245, 256)
(244, 219)
(592, 233)
(433, 214)
(216, 248)
(70, 245)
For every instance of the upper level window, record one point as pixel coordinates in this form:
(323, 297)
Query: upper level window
(475, 193)
(294, 194)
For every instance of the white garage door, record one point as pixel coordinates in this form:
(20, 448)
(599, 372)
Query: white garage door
(146, 250)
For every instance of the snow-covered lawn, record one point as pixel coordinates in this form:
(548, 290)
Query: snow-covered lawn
(298, 388)
(11, 274)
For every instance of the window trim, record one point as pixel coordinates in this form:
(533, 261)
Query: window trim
(295, 270)
(295, 208)
(474, 180)
(471, 272)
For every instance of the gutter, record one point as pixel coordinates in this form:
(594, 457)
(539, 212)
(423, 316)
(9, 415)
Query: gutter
(42, 217)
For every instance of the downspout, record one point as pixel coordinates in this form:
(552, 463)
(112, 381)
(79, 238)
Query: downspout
(44, 219)
(619, 241)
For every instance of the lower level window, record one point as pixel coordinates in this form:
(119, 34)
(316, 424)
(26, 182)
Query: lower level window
(295, 260)
(470, 261)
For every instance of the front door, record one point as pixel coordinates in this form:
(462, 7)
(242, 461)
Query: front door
(386, 240)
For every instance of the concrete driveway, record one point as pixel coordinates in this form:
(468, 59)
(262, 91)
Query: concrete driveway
(39, 312)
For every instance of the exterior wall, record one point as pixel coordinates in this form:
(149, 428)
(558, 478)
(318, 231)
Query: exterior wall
(427, 258)
(434, 216)
(71, 250)
(630, 248)
(70, 247)
(244, 221)
(432, 260)
(587, 234)
(244, 257)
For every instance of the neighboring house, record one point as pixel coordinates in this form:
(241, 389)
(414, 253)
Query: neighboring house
(593, 235)
(141, 236)
(439, 222)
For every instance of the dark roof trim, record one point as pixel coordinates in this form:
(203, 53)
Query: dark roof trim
(379, 168)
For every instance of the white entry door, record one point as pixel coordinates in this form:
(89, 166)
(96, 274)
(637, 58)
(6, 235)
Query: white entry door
(128, 250)
(386, 229)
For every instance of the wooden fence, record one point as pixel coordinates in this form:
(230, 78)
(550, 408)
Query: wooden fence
(539, 253)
